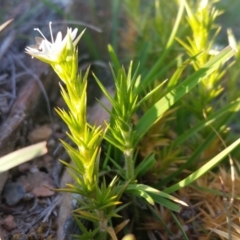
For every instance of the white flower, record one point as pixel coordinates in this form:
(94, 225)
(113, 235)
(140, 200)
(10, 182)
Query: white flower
(51, 52)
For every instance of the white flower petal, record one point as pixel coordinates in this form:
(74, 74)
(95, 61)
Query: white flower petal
(51, 52)
(58, 38)
(39, 40)
(74, 33)
(46, 46)
(31, 50)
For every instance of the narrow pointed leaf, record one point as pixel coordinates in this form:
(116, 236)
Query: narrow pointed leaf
(206, 167)
(114, 58)
(233, 106)
(155, 112)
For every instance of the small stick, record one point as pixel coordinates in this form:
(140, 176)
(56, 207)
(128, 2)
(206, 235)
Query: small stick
(225, 200)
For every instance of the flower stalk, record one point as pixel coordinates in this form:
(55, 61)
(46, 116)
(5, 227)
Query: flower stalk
(99, 202)
(124, 105)
(62, 55)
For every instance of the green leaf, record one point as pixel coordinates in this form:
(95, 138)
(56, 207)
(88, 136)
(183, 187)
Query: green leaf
(155, 191)
(153, 195)
(142, 194)
(156, 68)
(145, 165)
(159, 108)
(115, 22)
(175, 77)
(219, 126)
(158, 216)
(114, 58)
(183, 231)
(105, 92)
(86, 233)
(231, 107)
(151, 93)
(165, 202)
(87, 215)
(205, 168)
(119, 168)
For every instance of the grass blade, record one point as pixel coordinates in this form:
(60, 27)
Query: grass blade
(23, 155)
(157, 110)
(206, 167)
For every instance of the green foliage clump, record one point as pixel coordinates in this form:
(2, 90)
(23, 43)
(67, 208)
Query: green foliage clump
(162, 134)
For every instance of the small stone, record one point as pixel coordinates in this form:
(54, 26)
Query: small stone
(34, 169)
(40, 134)
(41, 184)
(13, 193)
(42, 191)
(9, 223)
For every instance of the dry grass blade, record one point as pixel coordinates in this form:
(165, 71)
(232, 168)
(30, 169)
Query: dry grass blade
(23, 155)
(5, 24)
(237, 228)
(112, 233)
(119, 227)
(224, 234)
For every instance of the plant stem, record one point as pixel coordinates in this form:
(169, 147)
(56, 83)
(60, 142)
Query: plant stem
(129, 163)
(128, 153)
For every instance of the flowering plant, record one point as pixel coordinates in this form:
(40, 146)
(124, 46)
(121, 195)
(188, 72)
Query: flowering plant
(99, 199)
(101, 195)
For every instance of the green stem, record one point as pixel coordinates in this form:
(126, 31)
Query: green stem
(129, 163)
(128, 153)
